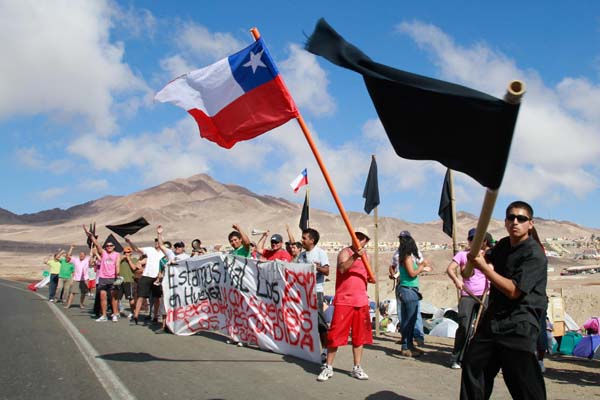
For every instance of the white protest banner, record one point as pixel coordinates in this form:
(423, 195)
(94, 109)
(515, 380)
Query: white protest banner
(271, 304)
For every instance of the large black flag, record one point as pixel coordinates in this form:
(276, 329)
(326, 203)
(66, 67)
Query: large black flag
(304, 216)
(429, 119)
(371, 192)
(129, 228)
(445, 210)
(113, 240)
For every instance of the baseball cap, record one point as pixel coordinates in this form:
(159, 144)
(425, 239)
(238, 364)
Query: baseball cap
(404, 234)
(471, 234)
(363, 230)
(276, 238)
(179, 244)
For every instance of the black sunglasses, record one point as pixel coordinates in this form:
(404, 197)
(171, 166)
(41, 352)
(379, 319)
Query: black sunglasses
(520, 218)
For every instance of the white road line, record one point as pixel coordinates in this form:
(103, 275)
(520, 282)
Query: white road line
(113, 385)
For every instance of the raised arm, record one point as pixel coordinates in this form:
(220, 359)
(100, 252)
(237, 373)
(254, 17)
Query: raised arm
(161, 243)
(245, 238)
(93, 239)
(260, 245)
(132, 245)
(70, 250)
(290, 234)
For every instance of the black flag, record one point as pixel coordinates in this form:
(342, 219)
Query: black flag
(371, 192)
(93, 232)
(304, 216)
(129, 228)
(113, 240)
(445, 210)
(429, 119)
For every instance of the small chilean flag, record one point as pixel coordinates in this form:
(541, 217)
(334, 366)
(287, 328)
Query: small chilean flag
(300, 181)
(237, 98)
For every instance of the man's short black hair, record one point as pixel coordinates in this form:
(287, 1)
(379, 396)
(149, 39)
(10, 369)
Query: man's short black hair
(520, 204)
(313, 233)
(234, 234)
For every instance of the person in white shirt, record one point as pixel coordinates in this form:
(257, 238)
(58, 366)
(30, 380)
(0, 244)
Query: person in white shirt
(146, 286)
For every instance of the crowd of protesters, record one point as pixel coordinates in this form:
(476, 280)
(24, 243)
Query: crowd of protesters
(512, 272)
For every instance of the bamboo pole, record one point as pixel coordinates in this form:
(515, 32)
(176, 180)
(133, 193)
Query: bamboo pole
(516, 90)
(338, 202)
(453, 211)
(376, 255)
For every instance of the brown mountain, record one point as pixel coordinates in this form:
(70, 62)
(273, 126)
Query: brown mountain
(200, 207)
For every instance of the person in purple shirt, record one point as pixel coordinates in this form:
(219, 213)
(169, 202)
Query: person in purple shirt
(468, 307)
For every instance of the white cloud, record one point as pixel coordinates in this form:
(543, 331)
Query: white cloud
(29, 157)
(176, 66)
(201, 44)
(307, 81)
(94, 185)
(52, 193)
(556, 144)
(60, 61)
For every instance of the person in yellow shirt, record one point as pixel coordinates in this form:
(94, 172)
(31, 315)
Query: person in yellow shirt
(53, 263)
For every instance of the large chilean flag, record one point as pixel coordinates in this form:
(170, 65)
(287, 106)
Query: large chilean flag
(234, 99)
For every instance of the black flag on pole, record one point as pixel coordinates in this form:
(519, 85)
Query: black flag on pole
(128, 228)
(371, 192)
(304, 217)
(445, 210)
(111, 238)
(426, 118)
(93, 232)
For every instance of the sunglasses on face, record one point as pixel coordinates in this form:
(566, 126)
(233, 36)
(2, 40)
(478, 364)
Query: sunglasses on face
(520, 218)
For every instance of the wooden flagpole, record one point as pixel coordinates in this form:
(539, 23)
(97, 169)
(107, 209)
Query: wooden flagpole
(338, 202)
(376, 255)
(453, 217)
(452, 210)
(516, 90)
(307, 206)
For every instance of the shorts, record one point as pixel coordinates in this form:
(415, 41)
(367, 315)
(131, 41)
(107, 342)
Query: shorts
(79, 287)
(146, 288)
(91, 284)
(346, 318)
(106, 284)
(126, 289)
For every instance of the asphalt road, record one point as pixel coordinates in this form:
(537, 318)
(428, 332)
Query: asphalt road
(40, 359)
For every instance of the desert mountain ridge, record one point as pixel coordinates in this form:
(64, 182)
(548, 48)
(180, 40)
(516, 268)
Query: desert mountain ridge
(201, 207)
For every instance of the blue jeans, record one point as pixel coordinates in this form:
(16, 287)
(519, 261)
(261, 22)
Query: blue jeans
(53, 286)
(409, 309)
(419, 333)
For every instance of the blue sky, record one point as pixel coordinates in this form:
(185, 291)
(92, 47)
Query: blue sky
(78, 120)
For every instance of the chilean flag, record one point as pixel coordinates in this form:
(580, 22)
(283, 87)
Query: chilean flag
(300, 181)
(237, 98)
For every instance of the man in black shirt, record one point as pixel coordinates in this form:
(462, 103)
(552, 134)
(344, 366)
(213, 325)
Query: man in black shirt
(506, 338)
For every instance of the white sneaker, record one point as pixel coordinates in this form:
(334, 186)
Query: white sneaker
(240, 344)
(102, 319)
(455, 365)
(129, 316)
(358, 373)
(325, 374)
(115, 318)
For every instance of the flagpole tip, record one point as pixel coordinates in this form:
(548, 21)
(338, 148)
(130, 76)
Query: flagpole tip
(516, 90)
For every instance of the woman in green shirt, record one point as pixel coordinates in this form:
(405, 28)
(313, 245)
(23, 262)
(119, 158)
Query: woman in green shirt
(406, 268)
